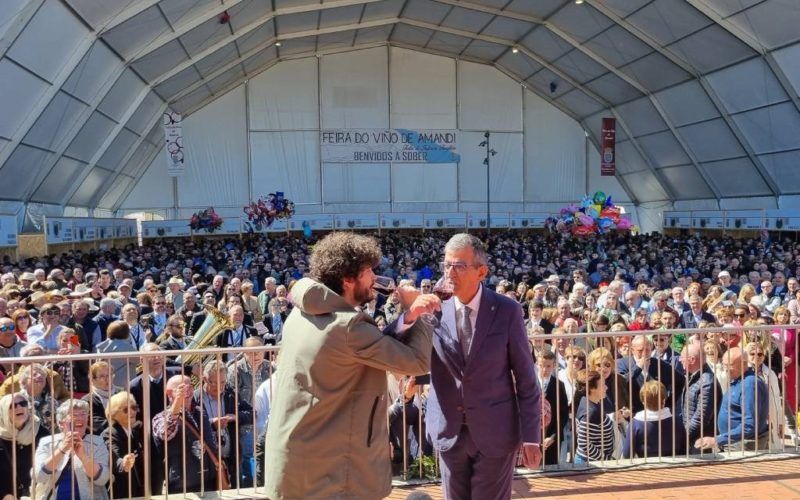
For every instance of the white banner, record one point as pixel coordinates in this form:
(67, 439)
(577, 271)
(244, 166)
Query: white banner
(389, 146)
(173, 134)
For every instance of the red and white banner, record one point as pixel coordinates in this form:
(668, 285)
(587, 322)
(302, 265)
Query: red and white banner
(608, 155)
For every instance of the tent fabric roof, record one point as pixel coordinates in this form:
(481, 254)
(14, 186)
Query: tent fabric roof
(705, 92)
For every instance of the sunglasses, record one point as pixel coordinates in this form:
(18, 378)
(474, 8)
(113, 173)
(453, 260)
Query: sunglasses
(132, 408)
(741, 315)
(24, 317)
(5, 329)
(21, 403)
(757, 354)
(52, 312)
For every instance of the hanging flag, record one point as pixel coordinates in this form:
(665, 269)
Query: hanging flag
(173, 134)
(608, 164)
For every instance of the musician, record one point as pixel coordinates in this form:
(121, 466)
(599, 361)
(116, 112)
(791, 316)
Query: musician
(236, 336)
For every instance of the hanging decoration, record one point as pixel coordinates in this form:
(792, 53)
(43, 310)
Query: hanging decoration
(595, 215)
(205, 220)
(263, 212)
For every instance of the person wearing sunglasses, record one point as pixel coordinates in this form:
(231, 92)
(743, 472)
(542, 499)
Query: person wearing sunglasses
(46, 333)
(22, 322)
(757, 359)
(20, 429)
(10, 345)
(125, 440)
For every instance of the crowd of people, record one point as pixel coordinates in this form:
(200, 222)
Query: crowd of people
(655, 394)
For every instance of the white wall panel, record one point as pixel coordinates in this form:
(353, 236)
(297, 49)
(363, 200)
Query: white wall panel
(92, 72)
(423, 90)
(343, 183)
(488, 100)
(355, 89)
(505, 174)
(19, 168)
(424, 183)
(55, 122)
(60, 181)
(215, 142)
(555, 158)
(154, 189)
(288, 162)
(285, 97)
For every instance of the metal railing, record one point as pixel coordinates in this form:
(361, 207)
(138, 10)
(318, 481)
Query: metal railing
(172, 459)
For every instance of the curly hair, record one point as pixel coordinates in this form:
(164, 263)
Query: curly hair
(342, 255)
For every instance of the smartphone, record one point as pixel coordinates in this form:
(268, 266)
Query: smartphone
(74, 340)
(422, 379)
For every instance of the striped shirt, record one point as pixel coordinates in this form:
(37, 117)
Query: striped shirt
(595, 431)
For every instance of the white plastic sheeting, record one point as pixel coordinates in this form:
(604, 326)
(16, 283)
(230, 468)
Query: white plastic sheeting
(545, 163)
(671, 70)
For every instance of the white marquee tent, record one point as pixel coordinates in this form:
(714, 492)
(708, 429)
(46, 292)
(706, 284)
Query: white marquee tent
(705, 93)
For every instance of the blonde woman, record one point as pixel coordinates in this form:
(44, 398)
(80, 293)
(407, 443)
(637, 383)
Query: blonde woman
(747, 292)
(616, 395)
(124, 438)
(250, 302)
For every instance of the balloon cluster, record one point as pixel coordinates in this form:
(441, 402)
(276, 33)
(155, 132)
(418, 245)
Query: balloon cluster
(263, 212)
(205, 220)
(595, 215)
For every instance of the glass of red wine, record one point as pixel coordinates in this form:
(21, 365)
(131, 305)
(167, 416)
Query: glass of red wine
(444, 290)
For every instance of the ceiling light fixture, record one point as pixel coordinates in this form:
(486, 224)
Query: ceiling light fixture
(277, 44)
(578, 2)
(514, 50)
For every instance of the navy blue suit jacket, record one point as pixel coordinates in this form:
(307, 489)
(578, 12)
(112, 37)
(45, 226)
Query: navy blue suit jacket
(494, 391)
(656, 370)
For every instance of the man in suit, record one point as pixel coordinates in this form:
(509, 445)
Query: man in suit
(157, 320)
(485, 400)
(535, 317)
(236, 336)
(641, 367)
(198, 318)
(555, 394)
(695, 314)
(275, 320)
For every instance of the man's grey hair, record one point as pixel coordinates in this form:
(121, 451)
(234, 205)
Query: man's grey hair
(463, 241)
(270, 280)
(67, 407)
(108, 303)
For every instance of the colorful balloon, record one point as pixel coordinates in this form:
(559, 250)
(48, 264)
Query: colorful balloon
(599, 198)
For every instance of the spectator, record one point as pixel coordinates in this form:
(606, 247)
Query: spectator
(46, 333)
(71, 462)
(138, 335)
(75, 374)
(157, 320)
(756, 361)
(100, 375)
(654, 432)
(22, 322)
(641, 366)
(10, 344)
(616, 394)
(119, 340)
(106, 315)
(273, 322)
(124, 440)
(80, 315)
(555, 393)
(192, 458)
(597, 431)
(743, 419)
(20, 430)
(700, 400)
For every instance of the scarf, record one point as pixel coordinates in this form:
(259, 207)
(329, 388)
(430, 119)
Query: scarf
(24, 436)
(102, 394)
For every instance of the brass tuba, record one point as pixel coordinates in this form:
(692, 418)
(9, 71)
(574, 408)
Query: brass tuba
(214, 324)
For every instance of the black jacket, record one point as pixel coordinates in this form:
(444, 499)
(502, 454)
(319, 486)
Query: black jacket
(117, 441)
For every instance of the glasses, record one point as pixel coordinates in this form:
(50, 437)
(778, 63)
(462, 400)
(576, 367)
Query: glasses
(741, 315)
(52, 312)
(132, 408)
(457, 267)
(24, 317)
(23, 403)
(6, 329)
(757, 354)
(161, 303)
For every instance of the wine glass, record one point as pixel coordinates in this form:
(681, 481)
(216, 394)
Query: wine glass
(443, 289)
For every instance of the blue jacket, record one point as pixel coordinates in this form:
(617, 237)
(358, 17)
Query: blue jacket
(653, 436)
(747, 398)
(495, 390)
(699, 404)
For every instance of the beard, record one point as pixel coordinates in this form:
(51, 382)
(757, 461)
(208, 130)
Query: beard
(363, 294)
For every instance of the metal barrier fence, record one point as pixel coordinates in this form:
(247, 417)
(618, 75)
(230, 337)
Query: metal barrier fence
(176, 447)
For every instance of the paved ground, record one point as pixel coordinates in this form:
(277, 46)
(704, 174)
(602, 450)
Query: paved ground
(774, 479)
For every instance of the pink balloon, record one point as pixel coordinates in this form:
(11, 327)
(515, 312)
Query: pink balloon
(624, 224)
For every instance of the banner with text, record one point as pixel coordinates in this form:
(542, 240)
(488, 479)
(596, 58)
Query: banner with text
(608, 162)
(173, 134)
(389, 146)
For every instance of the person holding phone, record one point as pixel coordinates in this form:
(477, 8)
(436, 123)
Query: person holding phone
(72, 462)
